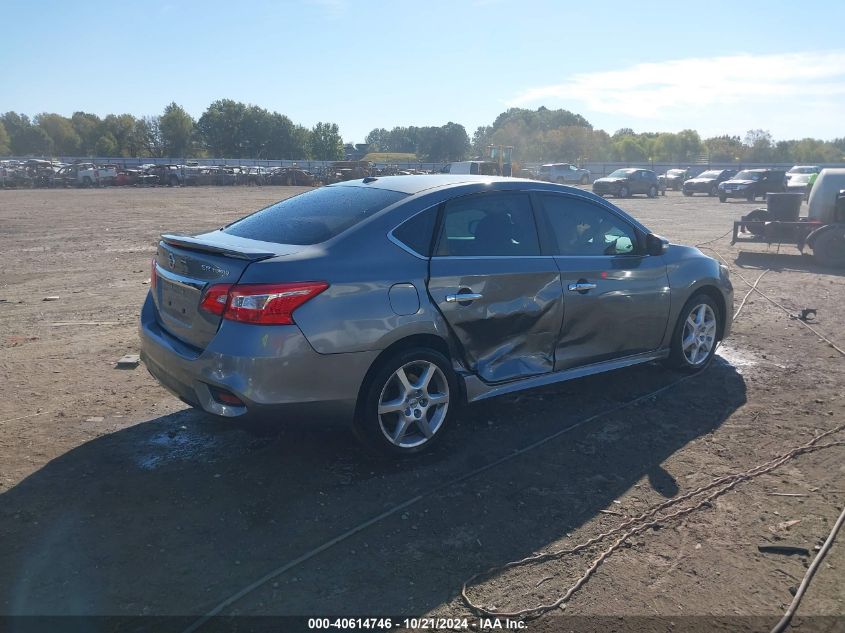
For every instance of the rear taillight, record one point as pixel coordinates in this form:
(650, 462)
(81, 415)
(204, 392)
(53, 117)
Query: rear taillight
(153, 275)
(263, 304)
(216, 298)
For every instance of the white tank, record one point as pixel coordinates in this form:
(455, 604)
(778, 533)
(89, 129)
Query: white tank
(823, 195)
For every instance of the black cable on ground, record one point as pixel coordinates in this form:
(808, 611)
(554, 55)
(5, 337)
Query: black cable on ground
(235, 597)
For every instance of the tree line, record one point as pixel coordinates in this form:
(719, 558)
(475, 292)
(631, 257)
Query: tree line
(231, 129)
(227, 128)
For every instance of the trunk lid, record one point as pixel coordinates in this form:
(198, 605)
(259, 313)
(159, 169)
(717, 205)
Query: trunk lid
(187, 266)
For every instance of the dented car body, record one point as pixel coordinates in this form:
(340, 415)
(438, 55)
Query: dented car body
(517, 283)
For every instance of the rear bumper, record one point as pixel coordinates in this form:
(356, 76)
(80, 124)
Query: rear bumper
(271, 369)
(737, 193)
(698, 187)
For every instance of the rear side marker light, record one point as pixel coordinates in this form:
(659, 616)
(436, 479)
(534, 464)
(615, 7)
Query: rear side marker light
(226, 397)
(262, 304)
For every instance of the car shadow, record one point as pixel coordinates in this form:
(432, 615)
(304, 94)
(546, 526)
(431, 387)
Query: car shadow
(172, 515)
(788, 260)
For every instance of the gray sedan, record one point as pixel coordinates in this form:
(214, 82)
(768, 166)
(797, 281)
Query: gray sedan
(390, 301)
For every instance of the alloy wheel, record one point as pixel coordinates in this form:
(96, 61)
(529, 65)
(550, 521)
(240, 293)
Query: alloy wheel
(413, 404)
(699, 335)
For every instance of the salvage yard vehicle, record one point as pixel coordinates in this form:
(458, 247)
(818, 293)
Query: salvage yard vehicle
(171, 175)
(463, 288)
(628, 181)
(291, 176)
(751, 184)
(473, 167)
(674, 178)
(563, 173)
(707, 182)
(799, 183)
(801, 169)
(84, 175)
(823, 230)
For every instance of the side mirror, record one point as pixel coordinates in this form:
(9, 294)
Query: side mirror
(655, 245)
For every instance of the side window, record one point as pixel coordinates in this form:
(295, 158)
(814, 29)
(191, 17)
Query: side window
(416, 232)
(493, 224)
(582, 228)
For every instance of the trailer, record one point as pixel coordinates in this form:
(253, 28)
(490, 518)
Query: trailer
(822, 230)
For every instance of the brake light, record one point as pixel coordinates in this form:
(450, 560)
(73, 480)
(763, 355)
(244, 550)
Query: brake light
(216, 298)
(262, 304)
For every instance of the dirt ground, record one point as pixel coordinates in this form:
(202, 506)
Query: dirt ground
(117, 500)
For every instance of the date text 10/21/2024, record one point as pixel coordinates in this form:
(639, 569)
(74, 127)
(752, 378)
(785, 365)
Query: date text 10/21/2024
(416, 624)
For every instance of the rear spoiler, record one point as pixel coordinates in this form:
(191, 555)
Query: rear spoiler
(195, 244)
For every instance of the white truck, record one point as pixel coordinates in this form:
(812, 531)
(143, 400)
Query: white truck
(84, 175)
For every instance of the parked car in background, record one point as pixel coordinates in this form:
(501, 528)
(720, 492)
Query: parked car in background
(171, 175)
(626, 182)
(751, 184)
(799, 183)
(563, 173)
(707, 182)
(84, 175)
(455, 296)
(291, 176)
(473, 167)
(674, 178)
(801, 169)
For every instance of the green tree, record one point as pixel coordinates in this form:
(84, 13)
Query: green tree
(5, 142)
(33, 141)
(148, 133)
(177, 130)
(66, 141)
(759, 146)
(123, 128)
(88, 127)
(106, 146)
(724, 148)
(220, 127)
(325, 142)
(377, 139)
(629, 149)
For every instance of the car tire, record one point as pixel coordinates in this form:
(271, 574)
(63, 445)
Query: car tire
(689, 193)
(399, 418)
(750, 197)
(585, 180)
(714, 191)
(652, 192)
(622, 192)
(695, 336)
(87, 182)
(829, 248)
(723, 198)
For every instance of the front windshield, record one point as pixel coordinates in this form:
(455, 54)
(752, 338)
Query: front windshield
(747, 175)
(803, 170)
(621, 173)
(710, 174)
(676, 172)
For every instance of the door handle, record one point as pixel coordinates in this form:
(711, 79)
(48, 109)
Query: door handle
(463, 296)
(582, 286)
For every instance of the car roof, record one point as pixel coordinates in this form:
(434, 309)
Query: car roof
(414, 184)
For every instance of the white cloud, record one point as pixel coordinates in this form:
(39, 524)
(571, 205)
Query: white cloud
(683, 86)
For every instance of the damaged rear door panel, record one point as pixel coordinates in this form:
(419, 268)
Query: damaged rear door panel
(500, 296)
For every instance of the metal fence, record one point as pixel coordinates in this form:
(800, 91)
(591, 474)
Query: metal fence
(597, 169)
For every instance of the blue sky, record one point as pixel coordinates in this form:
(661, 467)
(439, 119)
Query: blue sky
(718, 67)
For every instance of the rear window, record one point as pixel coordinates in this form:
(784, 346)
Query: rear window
(315, 216)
